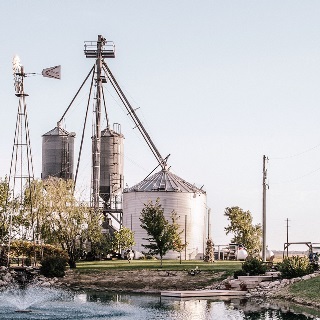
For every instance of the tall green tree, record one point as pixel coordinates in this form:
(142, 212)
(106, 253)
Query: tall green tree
(243, 230)
(69, 221)
(101, 246)
(162, 235)
(35, 213)
(123, 238)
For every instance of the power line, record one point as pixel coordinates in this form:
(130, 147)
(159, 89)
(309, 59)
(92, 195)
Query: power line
(296, 154)
(298, 178)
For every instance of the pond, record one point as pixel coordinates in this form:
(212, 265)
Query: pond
(44, 303)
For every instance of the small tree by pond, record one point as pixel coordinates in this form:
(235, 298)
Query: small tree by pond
(162, 235)
(123, 239)
(243, 230)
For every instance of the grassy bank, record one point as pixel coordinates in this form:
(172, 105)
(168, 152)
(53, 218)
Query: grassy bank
(168, 265)
(147, 275)
(308, 290)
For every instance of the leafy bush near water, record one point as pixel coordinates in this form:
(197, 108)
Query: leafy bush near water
(29, 249)
(53, 266)
(238, 273)
(295, 266)
(254, 267)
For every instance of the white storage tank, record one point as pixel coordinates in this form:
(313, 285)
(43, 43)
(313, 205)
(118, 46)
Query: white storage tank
(175, 194)
(58, 154)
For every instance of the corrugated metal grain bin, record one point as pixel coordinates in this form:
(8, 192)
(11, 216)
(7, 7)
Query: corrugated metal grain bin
(58, 154)
(111, 164)
(175, 194)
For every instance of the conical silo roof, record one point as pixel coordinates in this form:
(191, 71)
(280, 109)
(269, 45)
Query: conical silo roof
(165, 181)
(58, 131)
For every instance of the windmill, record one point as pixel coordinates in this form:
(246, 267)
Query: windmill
(21, 172)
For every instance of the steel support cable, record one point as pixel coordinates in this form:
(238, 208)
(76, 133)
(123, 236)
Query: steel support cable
(105, 107)
(166, 158)
(83, 130)
(134, 117)
(85, 80)
(135, 122)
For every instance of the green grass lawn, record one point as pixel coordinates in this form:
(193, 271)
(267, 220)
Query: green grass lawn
(309, 289)
(170, 265)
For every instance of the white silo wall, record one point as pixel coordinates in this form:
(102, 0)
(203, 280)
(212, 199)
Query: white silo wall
(189, 206)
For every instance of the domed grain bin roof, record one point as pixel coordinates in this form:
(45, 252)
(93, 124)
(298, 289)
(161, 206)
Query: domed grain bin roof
(166, 181)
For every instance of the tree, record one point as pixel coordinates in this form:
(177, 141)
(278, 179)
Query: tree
(4, 210)
(35, 213)
(124, 239)
(241, 226)
(69, 220)
(179, 246)
(162, 235)
(101, 246)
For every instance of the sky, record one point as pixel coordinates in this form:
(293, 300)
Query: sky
(218, 85)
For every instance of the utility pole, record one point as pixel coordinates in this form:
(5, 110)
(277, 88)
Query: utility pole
(209, 211)
(264, 208)
(287, 237)
(185, 237)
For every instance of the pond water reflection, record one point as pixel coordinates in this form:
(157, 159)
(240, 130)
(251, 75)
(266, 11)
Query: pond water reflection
(205, 309)
(98, 305)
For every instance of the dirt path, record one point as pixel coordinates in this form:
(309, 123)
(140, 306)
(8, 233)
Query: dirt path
(141, 280)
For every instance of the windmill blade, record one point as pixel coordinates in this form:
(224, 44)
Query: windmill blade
(53, 72)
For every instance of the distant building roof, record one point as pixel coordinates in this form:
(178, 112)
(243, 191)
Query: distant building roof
(165, 181)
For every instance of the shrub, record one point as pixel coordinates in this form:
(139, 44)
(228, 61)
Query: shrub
(314, 266)
(3, 257)
(295, 266)
(27, 262)
(50, 250)
(254, 267)
(53, 266)
(27, 249)
(238, 273)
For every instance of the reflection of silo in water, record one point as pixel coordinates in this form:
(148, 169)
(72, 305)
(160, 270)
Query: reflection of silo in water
(175, 194)
(111, 167)
(58, 154)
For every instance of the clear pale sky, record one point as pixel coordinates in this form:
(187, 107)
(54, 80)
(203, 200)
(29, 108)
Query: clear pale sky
(218, 84)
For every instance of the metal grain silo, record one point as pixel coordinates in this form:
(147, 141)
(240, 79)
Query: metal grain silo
(111, 165)
(175, 194)
(58, 154)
